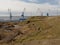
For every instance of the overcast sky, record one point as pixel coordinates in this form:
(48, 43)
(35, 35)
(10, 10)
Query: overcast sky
(34, 6)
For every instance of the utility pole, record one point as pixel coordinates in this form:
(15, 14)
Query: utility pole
(9, 10)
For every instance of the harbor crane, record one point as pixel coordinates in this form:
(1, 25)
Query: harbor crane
(9, 10)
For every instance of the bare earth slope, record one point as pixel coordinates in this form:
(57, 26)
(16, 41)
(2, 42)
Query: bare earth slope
(33, 31)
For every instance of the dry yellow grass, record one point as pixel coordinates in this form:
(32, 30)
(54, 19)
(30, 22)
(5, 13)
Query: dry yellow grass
(37, 28)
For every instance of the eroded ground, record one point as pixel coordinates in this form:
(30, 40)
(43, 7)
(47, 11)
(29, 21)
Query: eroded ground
(33, 31)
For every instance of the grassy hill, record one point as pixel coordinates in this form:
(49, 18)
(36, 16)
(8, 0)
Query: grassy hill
(37, 31)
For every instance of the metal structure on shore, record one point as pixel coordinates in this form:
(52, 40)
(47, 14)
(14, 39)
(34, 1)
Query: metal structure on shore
(9, 10)
(23, 15)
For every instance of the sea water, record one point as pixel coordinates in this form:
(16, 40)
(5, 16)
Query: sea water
(14, 18)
